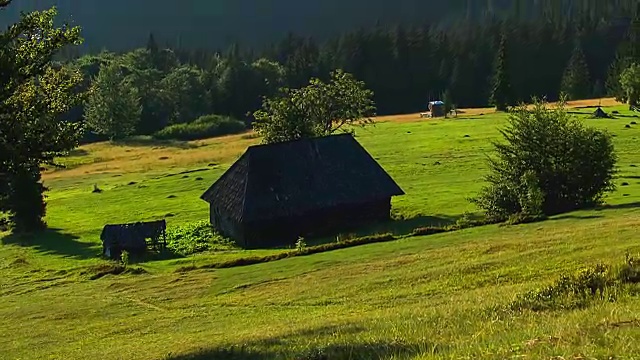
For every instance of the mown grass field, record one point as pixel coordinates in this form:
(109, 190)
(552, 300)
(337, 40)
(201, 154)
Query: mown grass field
(415, 298)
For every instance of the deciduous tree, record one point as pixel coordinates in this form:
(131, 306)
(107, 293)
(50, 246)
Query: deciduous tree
(113, 106)
(318, 109)
(35, 96)
(630, 84)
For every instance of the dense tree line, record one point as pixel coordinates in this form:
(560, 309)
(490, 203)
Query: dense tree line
(540, 55)
(212, 24)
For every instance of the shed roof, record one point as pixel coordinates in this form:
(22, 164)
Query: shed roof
(278, 180)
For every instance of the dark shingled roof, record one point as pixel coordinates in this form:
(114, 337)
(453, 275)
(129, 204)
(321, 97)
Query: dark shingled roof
(277, 180)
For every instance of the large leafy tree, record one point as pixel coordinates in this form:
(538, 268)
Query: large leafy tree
(630, 84)
(146, 77)
(35, 94)
(548, 163)
(186, 94)
(318, 109)
(113, 105)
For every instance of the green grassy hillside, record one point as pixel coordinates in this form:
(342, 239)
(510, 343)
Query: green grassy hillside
(438, 296)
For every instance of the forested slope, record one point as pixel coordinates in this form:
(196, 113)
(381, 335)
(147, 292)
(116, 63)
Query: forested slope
(120, 24)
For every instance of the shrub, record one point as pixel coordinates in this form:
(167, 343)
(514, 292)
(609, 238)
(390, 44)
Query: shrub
(125, 258)
(195, 238)
(569, 292)
(630, 271)
(204, 127)
(301, 244)
(600, 282)
(550, 163)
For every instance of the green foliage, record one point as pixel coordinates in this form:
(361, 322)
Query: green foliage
(630, 84)
(629, 272)
(196, 238)
(113, 106)
(240, 86)
(187, 97)
(272, 74)
(575, 81)
(550, 163)
(577, 291)
(124, 258)
(502, 93)
(202, 128)
(301, 244)
(34, 97)
(570, 291)
(146, 76)
(318, 109)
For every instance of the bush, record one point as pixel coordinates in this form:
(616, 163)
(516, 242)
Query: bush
(570, 292)
(600, 282)
(204, 127)
(550, 163)
(196, 238)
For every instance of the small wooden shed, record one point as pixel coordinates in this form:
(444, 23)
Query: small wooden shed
(437, 108)
(276, 193)
(135, 238)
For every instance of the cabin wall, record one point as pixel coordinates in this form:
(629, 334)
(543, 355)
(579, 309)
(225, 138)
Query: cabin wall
(226, 226)
(325, 222)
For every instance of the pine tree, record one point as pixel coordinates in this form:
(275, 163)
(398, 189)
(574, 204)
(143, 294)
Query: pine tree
(628, 53)
(575, 82)
(501, 95)
(152, 45)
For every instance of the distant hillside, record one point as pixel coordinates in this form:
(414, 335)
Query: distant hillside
(120, 24)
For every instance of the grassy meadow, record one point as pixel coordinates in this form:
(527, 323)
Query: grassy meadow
(435, 296)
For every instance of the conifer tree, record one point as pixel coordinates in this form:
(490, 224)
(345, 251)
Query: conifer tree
(575, 81)
(628, 53)
(152, 45)
(501, 95)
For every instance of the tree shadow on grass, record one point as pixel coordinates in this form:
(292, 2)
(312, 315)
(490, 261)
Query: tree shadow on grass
(54, 242)
(77, 152)
(276, 348)
(401, 227)
(397, 227)
(148, 141)
(576, 217)
(633, 205)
